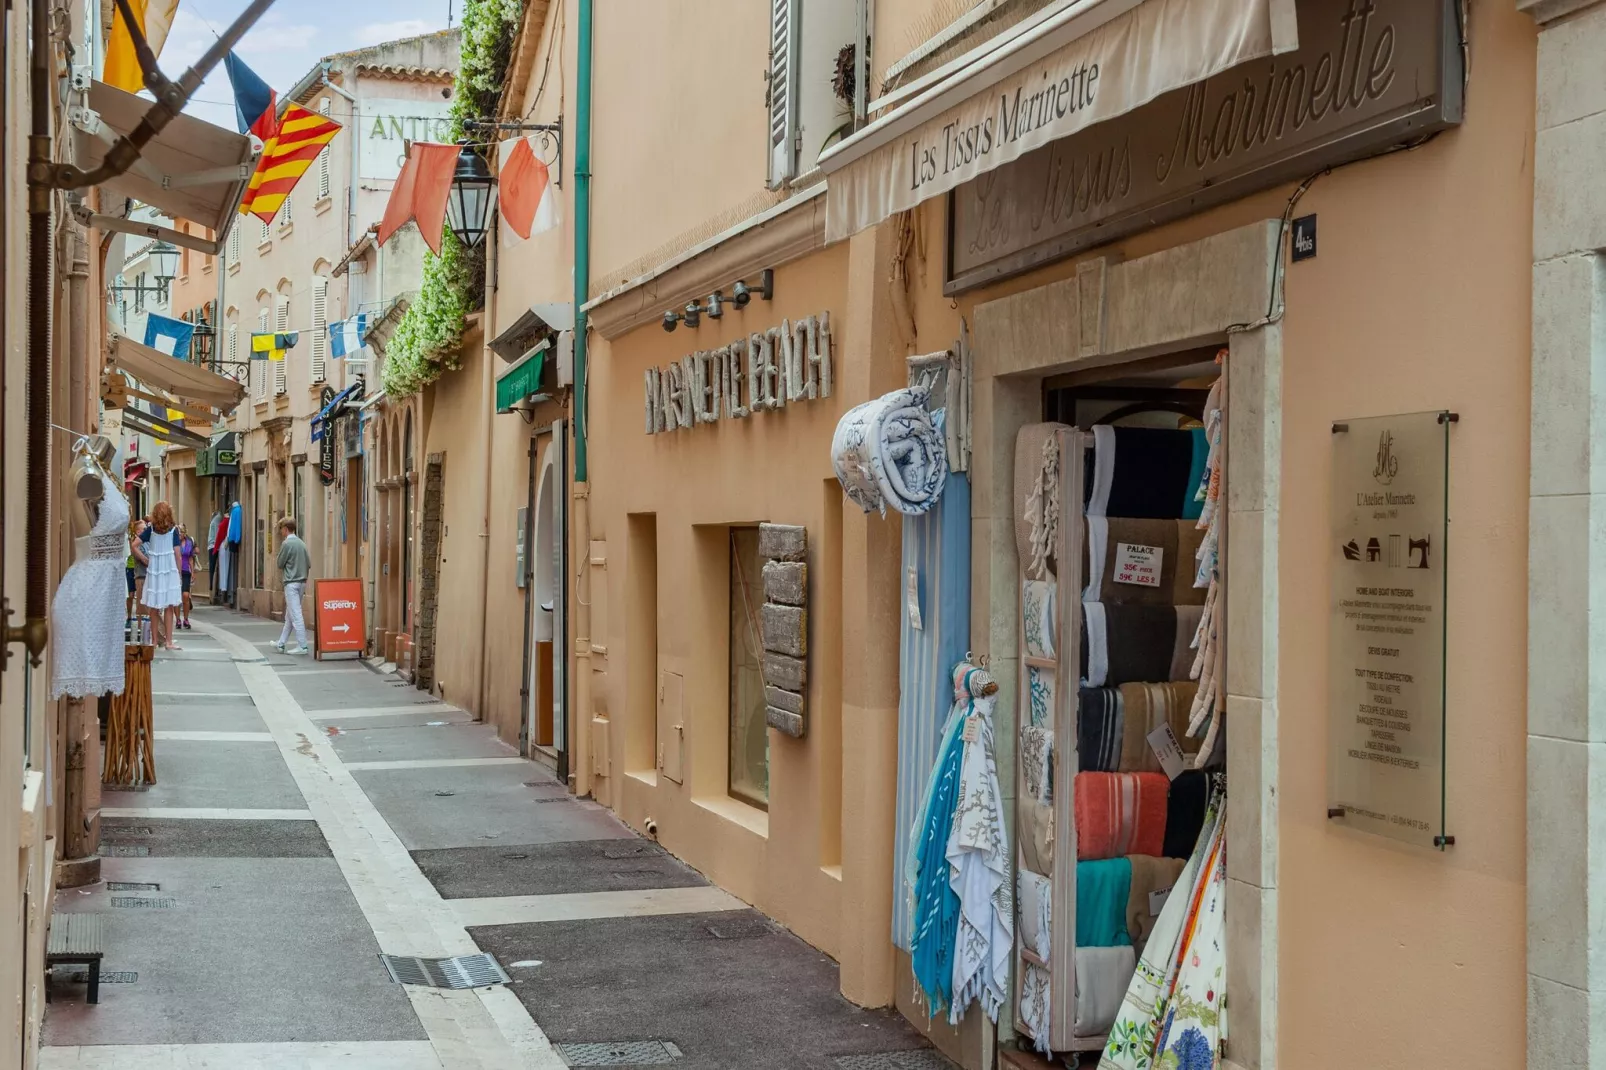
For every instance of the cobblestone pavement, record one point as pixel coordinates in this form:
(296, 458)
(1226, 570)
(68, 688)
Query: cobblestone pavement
(309, 817)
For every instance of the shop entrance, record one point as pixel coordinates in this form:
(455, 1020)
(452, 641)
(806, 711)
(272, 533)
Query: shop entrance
(544, 726)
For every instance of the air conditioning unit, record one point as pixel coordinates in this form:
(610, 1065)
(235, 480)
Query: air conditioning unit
(564, 347)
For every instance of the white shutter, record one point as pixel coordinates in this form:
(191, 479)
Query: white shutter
(234, 350)
(234, 241)
(323, 157)
(281, 323)
(284, 212)
(258, 368)
(320, 324)
(783, 78)
(262, 228)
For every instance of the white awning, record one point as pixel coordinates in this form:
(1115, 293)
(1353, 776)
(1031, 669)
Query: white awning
(1088, 62)
(180, 380)
(192, 170)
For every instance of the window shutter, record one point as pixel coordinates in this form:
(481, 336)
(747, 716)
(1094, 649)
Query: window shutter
(234, 242)
(320, 324)
(783, 78)
(281, 323)
(284, 212)
(323, 157)
(263, 229)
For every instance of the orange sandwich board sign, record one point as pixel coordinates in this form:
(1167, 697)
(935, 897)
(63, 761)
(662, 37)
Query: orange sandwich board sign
(338, 616)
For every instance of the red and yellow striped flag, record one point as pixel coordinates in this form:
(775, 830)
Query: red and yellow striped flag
(286, 155)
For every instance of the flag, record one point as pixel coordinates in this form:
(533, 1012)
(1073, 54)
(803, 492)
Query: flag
(526, 194)
(154, 19)
(420, 192)
(348, 335)
(168, 335)
(256, 108)
(286, 155)
(272, 346)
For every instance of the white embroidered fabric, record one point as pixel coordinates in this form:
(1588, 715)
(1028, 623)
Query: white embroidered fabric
(163, 587)
(87, 614)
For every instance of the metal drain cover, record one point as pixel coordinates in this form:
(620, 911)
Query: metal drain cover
(463, 971)
(143, 901)
(620, 1053)
(81, 973)
(132, 886)
(124, 850)
(914, 1059)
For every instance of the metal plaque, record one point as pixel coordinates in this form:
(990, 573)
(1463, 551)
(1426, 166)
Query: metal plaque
(1386, 661)
(1368, 75)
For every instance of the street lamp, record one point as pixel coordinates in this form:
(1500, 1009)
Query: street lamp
(468, 206)
(164, 259)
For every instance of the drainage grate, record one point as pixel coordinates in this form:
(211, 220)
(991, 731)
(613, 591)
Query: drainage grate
(81, 973)
(132, 886)
(739, 929)
(126, 830)
(914, 1059)
(124, 850)
(620, 1053)
(144, 902)
(464, 971)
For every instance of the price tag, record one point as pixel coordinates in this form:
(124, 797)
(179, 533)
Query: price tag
(1138, 564)
(912, 594)
(972, 730)
(1164, 742)
(1157, 902)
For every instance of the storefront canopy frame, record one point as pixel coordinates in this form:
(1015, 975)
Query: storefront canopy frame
(184, 382)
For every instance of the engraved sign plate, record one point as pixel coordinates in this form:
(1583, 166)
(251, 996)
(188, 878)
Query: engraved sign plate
(1386, 660)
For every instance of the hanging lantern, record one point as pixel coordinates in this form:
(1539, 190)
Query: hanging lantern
(468, 207)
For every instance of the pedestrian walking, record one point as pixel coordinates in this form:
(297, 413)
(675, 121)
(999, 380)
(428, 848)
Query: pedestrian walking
(136, 563)
(186, 561)
(212, 543)
(163, 588)
(295, 565)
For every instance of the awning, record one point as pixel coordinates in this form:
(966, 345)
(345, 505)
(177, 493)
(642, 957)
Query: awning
(148, 424)
(1088, 62)
(179, 379)
(192, 170)
(535, 323)
(522, 379)
(328, 411)
(371, 400)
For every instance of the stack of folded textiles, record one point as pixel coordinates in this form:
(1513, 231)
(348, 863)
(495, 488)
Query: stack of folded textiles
(1206, 716)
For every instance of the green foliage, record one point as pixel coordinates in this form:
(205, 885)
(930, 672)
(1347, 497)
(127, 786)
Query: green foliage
(427, 341)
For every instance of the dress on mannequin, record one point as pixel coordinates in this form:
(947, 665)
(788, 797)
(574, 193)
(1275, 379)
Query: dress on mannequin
(87, 615)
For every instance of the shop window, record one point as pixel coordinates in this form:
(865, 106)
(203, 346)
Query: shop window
(749, 738)
(299, 508)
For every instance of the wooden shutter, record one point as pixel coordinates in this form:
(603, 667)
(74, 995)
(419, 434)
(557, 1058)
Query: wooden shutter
(281, 322)
(783, 78)
(323, 157)
(320, 325)
(284, 212)
(258, 368)
(234, 242)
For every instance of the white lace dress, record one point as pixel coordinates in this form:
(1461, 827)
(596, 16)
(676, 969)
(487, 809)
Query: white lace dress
(87, 615)
(162, 584)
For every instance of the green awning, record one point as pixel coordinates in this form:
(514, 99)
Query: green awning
(521, 379)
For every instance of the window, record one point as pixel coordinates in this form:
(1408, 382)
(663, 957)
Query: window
(783, 77)
(259, 370)
(749, 738)
(234, 242)
(261, 525)
(323, 157)
(284, 212)
(320, 324)
(299, 511)
(806, 39)
(139, 292)
(234, 348)
(281, 323)
(262, 230)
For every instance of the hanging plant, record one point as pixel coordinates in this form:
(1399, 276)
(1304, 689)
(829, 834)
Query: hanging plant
(428, 340)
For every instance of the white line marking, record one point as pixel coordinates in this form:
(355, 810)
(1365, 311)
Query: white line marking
(579, 906)
(436, 763)
(485, 1028)
(340, 667)
(200, 694)
(213, 737)
(329, 1055)
(206, 813)
(380, 711)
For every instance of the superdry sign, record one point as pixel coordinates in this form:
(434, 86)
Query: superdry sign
(338, 609)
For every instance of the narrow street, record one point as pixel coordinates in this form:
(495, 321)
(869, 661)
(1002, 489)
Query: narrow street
(309, 817)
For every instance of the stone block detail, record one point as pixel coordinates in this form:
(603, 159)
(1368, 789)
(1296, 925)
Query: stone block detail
(785, 629)
(786, 672)
(786, 582)
(790, 701)
(783, 542)
(789, 723)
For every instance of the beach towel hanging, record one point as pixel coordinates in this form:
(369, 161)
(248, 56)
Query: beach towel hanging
(978, 861)
(890, 452)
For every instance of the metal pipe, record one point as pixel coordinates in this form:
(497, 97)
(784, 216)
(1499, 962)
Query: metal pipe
(581, 536)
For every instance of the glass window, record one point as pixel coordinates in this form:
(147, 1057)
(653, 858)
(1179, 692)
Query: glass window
(749, 739)
(299, 513)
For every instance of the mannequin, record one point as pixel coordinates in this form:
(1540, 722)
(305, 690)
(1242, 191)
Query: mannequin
(87, 614)
(92, 458)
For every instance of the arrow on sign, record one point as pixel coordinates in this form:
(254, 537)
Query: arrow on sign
(341, 628)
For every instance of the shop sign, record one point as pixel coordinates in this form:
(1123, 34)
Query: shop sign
(1368, 75)
(1386, 660)
(326, 454)
(763, 372)
(338, 612)
(386, 124)
(219, 459)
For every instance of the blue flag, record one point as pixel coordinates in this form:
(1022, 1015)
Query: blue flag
(167, 335)
(255, 104)
(348, 335)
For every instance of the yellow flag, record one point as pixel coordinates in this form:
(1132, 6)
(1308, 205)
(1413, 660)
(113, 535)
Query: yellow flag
(155, 18)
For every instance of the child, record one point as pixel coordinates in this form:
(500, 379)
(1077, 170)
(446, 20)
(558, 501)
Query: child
(186, 553)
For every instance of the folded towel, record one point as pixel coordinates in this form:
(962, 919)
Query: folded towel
(1102, 890)
(1036, 497)
(1171, 545)
(1185, 813)
(1038, 612)
(890, 451)
(1099, 730)
(1120, 814)
(1137, 644)
(1102, 976)
(1146, 472)
(1036, 894)
(1149, 874)
(1145, 707)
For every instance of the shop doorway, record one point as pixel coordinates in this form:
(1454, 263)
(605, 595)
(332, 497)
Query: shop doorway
(546, 685)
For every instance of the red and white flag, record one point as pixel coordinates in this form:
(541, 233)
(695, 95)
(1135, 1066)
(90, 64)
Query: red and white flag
(420, 193)
(529, 203)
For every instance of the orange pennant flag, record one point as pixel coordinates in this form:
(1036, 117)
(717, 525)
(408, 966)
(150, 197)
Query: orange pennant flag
(526, 192)
(420, 193)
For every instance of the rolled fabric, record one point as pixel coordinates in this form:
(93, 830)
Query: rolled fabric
(1176, 542)
(1144, 708)
(1185, 813)
(1100, 728)
(890, 452)
(1146, 472)
(1120, 814)
(1103, 887)
(1137, 644)
(1102, 976)
(1149, 874)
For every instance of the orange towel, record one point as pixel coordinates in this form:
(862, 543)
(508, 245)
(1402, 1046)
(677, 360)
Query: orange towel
(1120, 814)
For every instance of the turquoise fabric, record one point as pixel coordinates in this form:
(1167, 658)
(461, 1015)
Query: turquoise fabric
(1102, 889)
(936, 906)
(1192, 505)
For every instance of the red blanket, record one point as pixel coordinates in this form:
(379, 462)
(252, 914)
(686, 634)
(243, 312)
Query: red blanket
(1120, 814)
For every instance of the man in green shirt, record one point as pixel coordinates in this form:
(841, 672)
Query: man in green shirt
(295, 564)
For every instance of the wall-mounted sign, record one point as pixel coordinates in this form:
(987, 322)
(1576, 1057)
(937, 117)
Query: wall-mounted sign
(326, 454)
(1385, 705)
(764, 371)
(385, 126)
(1302, 242)
(1367, 75)
(221, 458)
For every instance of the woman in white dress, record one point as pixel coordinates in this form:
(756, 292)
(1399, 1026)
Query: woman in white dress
(163, 587)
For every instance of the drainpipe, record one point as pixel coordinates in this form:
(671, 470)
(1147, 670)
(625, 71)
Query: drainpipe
(351, 189)
(580, 742)
(487, 443)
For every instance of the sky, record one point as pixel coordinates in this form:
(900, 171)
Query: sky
(289, 39)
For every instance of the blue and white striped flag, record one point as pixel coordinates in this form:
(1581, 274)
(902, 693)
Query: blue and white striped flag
(348, 335)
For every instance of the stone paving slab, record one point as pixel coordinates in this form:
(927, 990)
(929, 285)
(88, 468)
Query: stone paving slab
(359, 744)
(365, 722)
(195, 773)
(169, 838)
(251, 950)
(487, 806)
(201, 716)
(730, 989)
(554, 868)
